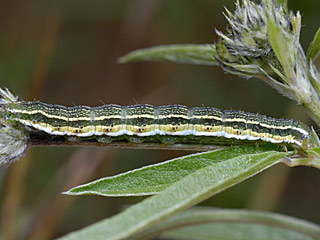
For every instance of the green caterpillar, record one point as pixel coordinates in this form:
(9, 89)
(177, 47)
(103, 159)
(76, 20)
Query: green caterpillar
(146, 123)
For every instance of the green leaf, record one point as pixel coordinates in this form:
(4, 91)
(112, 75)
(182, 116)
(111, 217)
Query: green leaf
(185, 193)
(281, 48)
(314, 48)
(155, 178)
(284, 3)
(211, 223)
(203, 54)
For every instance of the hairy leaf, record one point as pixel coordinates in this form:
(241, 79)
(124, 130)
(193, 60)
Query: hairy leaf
(314, 47)
(212, 223)
(185, 193)
(155, 178)
(203, 54)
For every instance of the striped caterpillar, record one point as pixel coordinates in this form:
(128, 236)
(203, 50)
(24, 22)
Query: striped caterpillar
(144, 123)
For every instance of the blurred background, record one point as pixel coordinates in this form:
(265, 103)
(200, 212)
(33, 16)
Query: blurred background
(66, 52)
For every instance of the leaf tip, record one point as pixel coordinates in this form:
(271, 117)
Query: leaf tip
(67, 193)
(70, 192)
(123, 59)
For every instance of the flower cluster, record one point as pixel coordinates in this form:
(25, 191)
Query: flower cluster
(13, 136)
(246, 48)
(262, 40)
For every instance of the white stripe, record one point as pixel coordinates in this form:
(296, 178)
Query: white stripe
(173, 116)
(38, 111)
(140, 116)
(304, 132)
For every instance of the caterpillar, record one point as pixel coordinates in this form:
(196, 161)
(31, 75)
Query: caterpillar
(143, 123)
